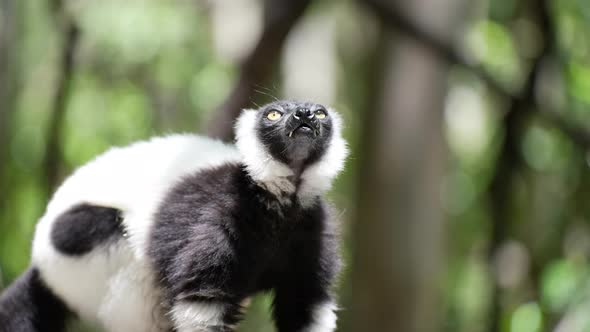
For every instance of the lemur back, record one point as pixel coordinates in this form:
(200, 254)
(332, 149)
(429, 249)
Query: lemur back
(113, 279)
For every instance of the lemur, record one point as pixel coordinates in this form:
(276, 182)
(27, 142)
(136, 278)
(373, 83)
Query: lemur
(177, 233)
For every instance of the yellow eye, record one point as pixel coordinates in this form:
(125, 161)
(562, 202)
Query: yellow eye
(320, 114)
(274, 115)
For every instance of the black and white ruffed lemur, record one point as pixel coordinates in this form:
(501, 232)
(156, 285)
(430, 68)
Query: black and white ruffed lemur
(176, 233)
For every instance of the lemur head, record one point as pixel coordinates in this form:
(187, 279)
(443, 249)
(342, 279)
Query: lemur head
(295, 133)
(292, 145)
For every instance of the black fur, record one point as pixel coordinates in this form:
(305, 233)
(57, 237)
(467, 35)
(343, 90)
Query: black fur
(219, 237)
(29, 306)
(83, 227)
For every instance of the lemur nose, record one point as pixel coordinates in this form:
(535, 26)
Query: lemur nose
(303, 112)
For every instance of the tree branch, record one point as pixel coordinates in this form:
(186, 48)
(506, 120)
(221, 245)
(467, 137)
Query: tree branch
(53, 149)
(9, 84)
(394, 19)
(256, 69)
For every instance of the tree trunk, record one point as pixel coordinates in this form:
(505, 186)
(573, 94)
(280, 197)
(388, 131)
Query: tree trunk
(53, 154)
(53, 159)
(509, 163)
(399, 229)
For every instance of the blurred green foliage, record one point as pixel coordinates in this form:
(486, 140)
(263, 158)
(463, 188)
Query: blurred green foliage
(150, 67)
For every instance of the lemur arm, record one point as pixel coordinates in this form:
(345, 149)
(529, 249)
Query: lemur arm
(200, 292)
(303, 299)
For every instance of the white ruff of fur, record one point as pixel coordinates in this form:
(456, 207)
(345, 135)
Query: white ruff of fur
(317, 178)
(261, 166)
(324, 318)
(274, 175)
(189, 317)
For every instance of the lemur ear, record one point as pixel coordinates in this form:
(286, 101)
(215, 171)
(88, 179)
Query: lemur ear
(245, 124)
(245, 129)
(338, 151)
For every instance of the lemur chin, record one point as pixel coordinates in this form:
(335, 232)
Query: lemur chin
(178, 232)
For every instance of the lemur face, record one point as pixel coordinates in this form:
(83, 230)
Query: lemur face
(295, 133)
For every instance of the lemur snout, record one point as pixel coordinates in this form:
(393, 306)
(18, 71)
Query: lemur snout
(304, 120)
(303, 112)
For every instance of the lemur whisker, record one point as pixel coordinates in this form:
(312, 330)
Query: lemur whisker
(265, 93)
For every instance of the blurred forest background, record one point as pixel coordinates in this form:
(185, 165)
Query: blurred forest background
(465, 203)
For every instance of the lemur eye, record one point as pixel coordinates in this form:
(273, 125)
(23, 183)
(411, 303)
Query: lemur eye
(320, 114)
(274, 115)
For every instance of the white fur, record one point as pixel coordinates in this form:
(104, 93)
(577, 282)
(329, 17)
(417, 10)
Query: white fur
(324, 318)
(273, 174)
(191, 317)
(261, 166)
(131, 297)
(317, 178)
